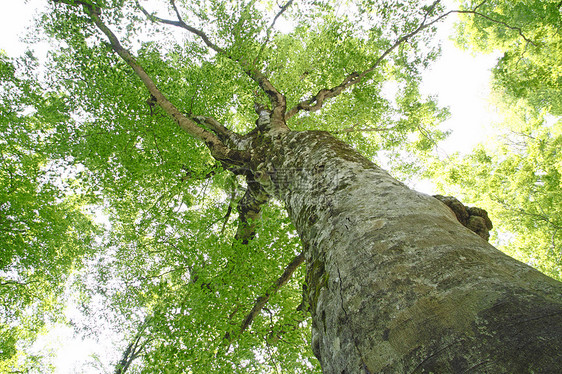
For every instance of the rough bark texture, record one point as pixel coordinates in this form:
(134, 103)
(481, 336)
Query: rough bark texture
(395, 283)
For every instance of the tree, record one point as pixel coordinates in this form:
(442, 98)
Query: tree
(517, 176)
(527, 34)
(44, 233)
(393, 283)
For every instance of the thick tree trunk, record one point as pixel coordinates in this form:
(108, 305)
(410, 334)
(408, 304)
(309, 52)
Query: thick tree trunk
(395, 283)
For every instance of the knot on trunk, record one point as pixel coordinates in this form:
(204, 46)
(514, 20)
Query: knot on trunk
(475, 219)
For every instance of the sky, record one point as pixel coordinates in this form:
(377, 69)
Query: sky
(459, 79)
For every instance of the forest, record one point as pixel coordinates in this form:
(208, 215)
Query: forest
(222, 187)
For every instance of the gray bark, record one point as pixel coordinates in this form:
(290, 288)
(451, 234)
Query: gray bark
(395, 284)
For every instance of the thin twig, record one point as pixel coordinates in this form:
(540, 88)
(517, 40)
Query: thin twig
(268, 32)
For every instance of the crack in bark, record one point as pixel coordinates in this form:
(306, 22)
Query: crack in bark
(432, 355)
(534, 319)
(475, 366)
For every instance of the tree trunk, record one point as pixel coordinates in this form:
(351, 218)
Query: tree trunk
(395, 283)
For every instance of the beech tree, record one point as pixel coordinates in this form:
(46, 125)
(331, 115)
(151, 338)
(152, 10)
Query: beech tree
(176, 134)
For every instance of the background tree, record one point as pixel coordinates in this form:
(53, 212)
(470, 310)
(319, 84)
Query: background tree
(44, 233)
(527, 33)
(517, 178)
(517, 175)
(145, 125)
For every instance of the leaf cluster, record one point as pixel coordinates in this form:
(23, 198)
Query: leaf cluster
(528, 34)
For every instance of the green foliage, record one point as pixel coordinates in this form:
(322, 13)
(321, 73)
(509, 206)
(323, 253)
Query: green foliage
(44, 232)
(517, 177)
(530, 67)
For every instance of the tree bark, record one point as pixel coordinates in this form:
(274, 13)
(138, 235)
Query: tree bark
(395, 284)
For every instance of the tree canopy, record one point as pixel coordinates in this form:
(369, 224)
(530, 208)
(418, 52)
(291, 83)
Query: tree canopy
(176, 266)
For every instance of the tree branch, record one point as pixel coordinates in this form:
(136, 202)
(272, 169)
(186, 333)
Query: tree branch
(280, 282)
(16, 283)
(505, 24)
(277, 100)
(225, 135)
(183, 25)
(317, 101)
(356, 128)
(217, 148)
(133, 350)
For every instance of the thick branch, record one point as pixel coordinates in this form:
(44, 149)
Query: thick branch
(317, 101)
(262, 300)
(225, 135)
(217, 148)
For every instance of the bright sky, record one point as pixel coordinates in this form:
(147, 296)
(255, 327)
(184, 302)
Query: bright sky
(461, 82)
(15, 18)
(459, 79)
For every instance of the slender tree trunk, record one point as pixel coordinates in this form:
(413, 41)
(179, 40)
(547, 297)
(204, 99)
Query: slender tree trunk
(395, 283)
